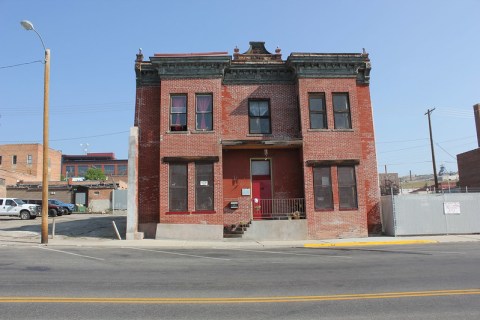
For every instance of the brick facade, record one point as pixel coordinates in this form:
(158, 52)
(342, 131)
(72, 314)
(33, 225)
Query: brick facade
(116, 170)
(469, 175)
(290, 149)
(28, 165)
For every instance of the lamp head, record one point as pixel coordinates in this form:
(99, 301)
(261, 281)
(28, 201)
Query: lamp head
(27, 25)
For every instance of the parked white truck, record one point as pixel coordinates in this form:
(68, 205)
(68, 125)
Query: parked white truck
(18, 208)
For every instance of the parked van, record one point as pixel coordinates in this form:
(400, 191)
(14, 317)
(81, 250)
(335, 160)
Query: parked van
(16, 207)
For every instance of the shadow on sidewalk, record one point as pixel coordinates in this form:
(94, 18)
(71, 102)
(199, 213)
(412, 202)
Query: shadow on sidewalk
(84, 226)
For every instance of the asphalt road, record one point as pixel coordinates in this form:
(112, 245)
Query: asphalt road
(440, 281)
(75, 226)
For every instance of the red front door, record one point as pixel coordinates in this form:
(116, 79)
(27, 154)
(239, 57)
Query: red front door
(261, 189)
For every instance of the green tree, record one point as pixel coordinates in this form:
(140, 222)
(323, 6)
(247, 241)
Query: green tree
(95, 174)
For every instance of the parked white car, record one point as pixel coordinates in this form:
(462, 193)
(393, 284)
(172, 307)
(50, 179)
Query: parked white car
(18, 208)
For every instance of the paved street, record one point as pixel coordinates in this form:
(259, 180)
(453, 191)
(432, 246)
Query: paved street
(77, 227)
(435, 281)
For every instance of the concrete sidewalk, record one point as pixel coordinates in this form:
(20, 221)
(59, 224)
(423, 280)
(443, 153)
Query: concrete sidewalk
(241, 243)
(89, 230)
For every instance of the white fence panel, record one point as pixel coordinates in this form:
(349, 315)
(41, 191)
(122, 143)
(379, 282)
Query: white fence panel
(119, 199)
(427, 214)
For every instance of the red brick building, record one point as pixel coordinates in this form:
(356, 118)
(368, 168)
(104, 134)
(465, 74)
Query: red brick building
(227, 140)
(77, 165)
(23, 162)
(468, 162)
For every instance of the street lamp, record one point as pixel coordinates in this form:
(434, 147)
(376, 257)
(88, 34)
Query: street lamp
(27, 25)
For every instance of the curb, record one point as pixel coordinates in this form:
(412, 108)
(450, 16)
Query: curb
(368, 243)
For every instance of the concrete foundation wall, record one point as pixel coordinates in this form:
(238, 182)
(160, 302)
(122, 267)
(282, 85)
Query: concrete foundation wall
(99, 205)
(277, 230)
(149, 230)
(189, 231)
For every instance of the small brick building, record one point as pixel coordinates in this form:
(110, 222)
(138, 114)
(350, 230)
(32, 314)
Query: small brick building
(24, 162)
(468, 162)
(229, 140)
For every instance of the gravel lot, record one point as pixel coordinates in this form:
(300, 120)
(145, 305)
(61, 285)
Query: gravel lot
(75, 226)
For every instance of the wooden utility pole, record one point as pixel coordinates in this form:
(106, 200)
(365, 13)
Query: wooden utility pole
(45, 182)
(428, 113)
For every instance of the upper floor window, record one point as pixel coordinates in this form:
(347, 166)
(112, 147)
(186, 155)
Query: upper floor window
(204, 110)
(318, 115)
(259, 116)
(347, 187)
(29, 159)
(178, 113)
(14, 159)
(70, 171)
(0, 160)
(109, 169)
(122, 170)
(82, 170)
(341, 111)
(322, 185)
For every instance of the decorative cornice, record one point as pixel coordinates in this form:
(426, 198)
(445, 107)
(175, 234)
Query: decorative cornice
(337, 162)
(177, 67)
(254, 73)
(257, 53)
(146, 74)
(331, 65)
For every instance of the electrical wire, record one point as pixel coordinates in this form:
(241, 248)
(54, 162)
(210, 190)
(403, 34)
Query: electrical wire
(66, 139)
(20, 64)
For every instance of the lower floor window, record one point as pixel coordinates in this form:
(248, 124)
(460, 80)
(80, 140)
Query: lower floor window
(203, 186)
(347, 188)
(177, 191)
(322, 188)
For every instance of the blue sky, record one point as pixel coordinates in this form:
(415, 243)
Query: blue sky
(425, 54)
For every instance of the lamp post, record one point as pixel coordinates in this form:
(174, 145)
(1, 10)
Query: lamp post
(27, 25)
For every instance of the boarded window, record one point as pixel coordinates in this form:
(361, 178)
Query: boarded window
(204, 186)
(347, 188)
(178, 193)
(322, 184)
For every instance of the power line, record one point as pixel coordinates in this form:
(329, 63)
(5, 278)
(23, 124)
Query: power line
(408, 148)
(402, 163)
(445, 150)
(398, 141)
(20, 64)
(420, 146)
(70, 109)
(66, 139)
